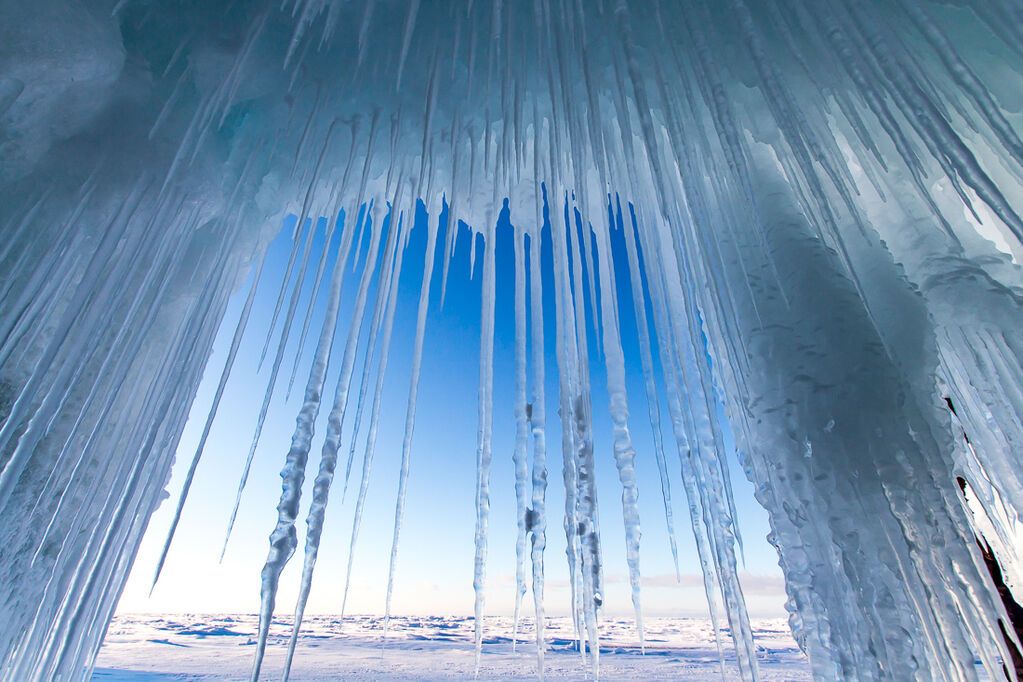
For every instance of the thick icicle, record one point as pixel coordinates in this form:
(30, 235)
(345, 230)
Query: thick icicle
(283, 540)
(536, 414)
(346, 244)
(624, 453)
(335, 421)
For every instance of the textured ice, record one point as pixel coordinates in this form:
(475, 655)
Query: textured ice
(817, 212)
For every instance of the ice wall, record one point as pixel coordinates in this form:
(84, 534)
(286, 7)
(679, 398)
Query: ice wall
(820, 204)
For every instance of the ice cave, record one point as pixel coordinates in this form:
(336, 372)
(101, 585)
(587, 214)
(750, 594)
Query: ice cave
(690, 244)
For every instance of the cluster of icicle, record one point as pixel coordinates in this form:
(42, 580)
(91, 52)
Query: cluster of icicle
(820, 206)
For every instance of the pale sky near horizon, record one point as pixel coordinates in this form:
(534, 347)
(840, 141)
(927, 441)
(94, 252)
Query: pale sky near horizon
(434, 573)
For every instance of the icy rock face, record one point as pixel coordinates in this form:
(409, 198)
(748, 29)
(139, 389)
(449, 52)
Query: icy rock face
(819, 205)
(859, 447)
(59, 65)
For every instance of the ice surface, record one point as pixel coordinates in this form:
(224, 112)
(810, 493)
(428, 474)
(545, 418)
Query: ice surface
(218, 647)
(816, 208)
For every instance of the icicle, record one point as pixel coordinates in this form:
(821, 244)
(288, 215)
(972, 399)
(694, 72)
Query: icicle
(483, 445)
(653, 400)
(521, 428)
(232, 353)
(346, 244)
(361, 222)
(451, 231)
(117, 368)
(328, 456)
(383, 287)
(679, 429)
(565, 347)
(410, 412)
(15, 464)
(586, 497)
(367, 17)
(317, 282)
(624, 453)
(371, 435)
(283, 540)
(536, 414)
(299, 225)
(410, 25)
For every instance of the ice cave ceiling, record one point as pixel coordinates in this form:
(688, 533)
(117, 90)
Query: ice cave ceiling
(818, 206)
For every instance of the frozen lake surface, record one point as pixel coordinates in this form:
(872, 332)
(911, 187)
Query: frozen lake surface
(219, 647)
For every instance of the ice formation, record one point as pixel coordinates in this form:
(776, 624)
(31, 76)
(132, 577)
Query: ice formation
(817, 206)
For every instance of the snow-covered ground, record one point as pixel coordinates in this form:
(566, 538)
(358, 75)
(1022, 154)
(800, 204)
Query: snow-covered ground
(219, 647)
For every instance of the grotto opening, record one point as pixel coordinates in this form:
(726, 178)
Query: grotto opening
(810, 212)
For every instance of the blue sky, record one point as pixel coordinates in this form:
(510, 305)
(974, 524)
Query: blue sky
(436, 555)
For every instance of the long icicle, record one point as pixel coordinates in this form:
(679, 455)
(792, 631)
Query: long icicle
(292, 257)
(538, 424)
(521, 429)
(371, 434)
(346, 244)
(624, 452)
(588, 526)
(236, 341)
(290, 315)
(483, 447)
(379, 313)
(564, 350)
(284, 539)
(410, 413)
(649, 381)
(335, 422)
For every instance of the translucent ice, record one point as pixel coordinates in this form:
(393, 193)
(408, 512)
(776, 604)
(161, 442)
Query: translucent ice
(815, 208)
